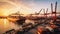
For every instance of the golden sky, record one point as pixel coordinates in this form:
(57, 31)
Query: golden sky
(26, 6)
(11, 6)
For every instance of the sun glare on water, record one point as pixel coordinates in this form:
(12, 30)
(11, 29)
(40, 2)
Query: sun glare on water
(5, 23)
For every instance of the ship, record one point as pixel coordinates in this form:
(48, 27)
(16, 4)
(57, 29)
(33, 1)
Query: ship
(15, 16)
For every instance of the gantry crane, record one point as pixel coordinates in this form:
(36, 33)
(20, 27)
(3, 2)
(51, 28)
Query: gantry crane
(45, 12)
(38, 12)
(54, 12)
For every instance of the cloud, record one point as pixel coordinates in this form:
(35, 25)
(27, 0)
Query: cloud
(10, 6)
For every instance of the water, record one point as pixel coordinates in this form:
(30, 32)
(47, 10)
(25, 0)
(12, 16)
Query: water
(6, 25)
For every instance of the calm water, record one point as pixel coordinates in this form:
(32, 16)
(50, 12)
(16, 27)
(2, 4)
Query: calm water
(6, 25)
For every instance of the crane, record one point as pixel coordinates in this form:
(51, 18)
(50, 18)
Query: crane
(38, 12)
(54, 12)
(45, 12)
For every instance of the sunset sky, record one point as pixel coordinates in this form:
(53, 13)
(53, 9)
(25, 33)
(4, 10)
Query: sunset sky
(25, 6)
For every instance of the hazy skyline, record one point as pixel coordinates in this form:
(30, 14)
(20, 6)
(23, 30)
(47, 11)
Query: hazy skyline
(26, 6)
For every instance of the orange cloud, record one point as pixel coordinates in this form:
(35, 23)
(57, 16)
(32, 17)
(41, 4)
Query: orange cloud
(9, 7)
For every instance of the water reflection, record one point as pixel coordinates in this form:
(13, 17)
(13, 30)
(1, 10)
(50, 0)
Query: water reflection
(6, 25)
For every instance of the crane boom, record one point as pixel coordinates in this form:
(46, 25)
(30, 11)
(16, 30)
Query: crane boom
(40, 10)
(55, 6)
(51, 7)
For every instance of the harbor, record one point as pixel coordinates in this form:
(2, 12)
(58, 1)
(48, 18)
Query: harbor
(33, 23)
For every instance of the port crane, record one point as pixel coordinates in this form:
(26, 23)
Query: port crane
(26, 28)
(45, 12)
(38, 12)
(54, 12)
